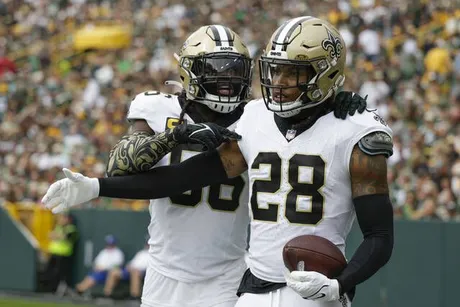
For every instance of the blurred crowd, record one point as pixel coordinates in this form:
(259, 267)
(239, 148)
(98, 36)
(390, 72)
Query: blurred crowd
(61, 107)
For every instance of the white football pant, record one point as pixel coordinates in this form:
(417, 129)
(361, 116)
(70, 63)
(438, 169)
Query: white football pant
(162, 291)
(284, 297)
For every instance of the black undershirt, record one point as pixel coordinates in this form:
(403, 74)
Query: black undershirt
(291, 127)
(252, 284)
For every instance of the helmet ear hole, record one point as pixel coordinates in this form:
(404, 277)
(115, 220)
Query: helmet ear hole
(303, 86)
(333, 74)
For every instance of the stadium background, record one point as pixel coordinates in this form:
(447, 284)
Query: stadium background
(64, 93)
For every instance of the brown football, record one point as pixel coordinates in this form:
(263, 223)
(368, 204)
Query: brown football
(313, 253)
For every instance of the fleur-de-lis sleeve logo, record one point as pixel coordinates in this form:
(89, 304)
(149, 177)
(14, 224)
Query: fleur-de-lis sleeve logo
(333, 44)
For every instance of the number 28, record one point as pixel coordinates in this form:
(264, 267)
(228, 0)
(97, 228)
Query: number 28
(307, 189)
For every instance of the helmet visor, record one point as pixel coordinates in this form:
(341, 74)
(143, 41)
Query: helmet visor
(286, 81)
(222, 75)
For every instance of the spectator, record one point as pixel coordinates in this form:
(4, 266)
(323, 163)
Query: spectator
(61, 248)
(377, 91)
(369, 41)
(62, 107)
(109, 258)
(134, 271)
(408, 208)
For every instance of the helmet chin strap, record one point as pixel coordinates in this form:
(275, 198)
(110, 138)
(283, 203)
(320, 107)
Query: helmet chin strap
(287, 114)
(291, 113)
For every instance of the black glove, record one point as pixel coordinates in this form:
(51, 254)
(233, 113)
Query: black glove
(347, 103)
(207, 134)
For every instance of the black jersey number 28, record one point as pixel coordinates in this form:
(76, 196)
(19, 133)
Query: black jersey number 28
(215, 198)
(309, 189)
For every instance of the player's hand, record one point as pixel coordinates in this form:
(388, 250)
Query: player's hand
(71, 191)
(209, 135)
(313, 285)
(347, 103)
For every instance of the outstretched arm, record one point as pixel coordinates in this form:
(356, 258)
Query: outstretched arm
(141, 150)
(199, 171)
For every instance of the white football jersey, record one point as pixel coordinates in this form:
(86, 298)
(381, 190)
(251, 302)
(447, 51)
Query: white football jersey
(199, 234)
(299, 187)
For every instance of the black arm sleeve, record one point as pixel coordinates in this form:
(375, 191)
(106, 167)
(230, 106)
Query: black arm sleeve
(194, 173)
(375, 218)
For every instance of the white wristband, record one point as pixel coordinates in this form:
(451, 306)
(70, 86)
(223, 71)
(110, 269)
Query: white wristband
(94, 187)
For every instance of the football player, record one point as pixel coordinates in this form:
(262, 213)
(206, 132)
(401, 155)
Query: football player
(286, 199)
(197, 239)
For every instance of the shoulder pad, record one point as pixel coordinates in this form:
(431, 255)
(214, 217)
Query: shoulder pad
(151, 96)
(147, 104)
(377, 143)
(254, 104)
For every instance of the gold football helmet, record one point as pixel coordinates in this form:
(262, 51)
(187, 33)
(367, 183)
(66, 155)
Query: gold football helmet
(215, 68)
(302, 66)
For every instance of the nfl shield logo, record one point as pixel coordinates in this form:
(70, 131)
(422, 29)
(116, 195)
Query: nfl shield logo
(290, 134)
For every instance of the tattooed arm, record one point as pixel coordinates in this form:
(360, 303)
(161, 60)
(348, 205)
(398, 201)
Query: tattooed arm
(139, 150)
(163, 181)
(232, 159)
(375, 217)
(368, 173)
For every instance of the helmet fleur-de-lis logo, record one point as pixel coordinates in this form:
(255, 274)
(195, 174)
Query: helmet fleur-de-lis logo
(333, 44)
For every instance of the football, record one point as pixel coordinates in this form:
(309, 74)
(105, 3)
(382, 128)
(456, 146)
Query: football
(313, 253)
